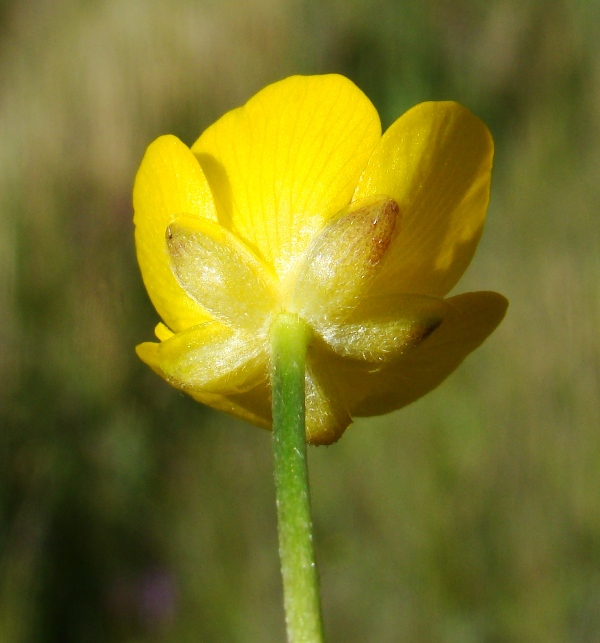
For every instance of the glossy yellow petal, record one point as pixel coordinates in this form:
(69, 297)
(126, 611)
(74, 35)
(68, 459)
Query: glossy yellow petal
(435, 161)
(208, 358)
(287, 161)
(220, 273)
(383, 328)
(169, 182)
(343, 261)
(471, 318)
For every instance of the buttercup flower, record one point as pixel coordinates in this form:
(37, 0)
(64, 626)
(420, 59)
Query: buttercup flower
(297, 203)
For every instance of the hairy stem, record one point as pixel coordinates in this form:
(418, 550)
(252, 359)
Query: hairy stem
(300, 580)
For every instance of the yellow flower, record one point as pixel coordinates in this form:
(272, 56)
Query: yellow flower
(297, 203)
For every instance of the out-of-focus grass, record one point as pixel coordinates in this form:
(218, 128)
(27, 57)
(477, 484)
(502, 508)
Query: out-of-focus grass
(129, 513)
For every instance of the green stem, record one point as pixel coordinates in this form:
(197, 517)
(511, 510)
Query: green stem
(289, 337)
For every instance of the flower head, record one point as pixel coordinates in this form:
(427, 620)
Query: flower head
(297, 203)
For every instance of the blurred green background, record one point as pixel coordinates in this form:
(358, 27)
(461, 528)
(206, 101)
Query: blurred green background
(129, 513)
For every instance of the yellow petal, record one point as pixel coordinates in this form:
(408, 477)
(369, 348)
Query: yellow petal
(169, 182)
(435, 161)
(367, 391)
(252, 406)
(287, 161)
(220, 273)
(343, 261)
(148, 353)
(208, 358)
(383, 328)
(162, 332)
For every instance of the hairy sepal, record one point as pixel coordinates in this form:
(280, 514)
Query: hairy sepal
(343, 261)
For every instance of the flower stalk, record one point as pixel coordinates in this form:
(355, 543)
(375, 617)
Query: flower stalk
(289, 339)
